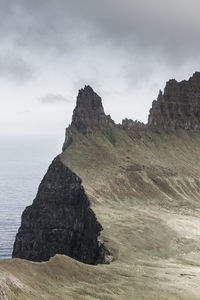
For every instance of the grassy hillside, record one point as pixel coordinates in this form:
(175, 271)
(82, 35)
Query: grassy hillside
(159, 167)
(146, 193)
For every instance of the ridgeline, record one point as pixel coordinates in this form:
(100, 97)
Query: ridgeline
(123, 196)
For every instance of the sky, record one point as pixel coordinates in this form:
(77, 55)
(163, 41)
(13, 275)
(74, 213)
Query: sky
(126, 50)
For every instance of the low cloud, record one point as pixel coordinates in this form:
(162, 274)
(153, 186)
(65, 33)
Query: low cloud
(15, 68)
(137, 26)
(24, 112)
(53, 98)
(126, 56)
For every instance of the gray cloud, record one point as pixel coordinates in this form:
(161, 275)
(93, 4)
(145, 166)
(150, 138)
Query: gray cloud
(53, 98)
(170, 29)
(41, 25)
(24, 112)
(15, 68)
(125, 49)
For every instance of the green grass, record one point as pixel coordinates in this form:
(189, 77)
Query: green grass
(146, 194)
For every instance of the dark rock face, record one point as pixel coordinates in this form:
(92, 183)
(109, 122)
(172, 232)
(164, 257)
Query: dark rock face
(88, 115)
(68, 138)
(59, 221)
(89, 112)
(178, 106)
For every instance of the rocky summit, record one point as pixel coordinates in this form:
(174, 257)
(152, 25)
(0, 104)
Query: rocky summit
(60, 221)
(88, 115)
(89, 112)
(178, 106)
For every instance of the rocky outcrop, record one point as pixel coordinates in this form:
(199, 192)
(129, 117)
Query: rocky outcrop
(68, 138)
(89, 112)
(129, 124)
(88, 115)
(135, 129)
(178, 106)
(60, 221)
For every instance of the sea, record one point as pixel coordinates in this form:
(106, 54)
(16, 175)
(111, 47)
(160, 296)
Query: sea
(24, 161)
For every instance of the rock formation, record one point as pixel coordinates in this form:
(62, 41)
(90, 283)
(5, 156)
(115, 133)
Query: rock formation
(60, 221)
(129, 124)
(135, 129)
(178, 106)
(89, 112)
(88, 115)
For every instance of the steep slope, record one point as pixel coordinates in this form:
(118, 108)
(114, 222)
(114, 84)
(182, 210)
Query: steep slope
(144, 187)
(160, 167)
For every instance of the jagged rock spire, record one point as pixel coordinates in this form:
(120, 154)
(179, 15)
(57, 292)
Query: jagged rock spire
(178, 106)
(89, 112)
(88, 115)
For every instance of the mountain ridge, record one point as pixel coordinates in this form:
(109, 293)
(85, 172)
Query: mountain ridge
(177, 107)
(143, 185)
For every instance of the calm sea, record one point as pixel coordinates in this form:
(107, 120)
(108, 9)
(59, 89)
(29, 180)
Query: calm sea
(23, 163)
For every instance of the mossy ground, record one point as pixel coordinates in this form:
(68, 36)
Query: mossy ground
(146, 194)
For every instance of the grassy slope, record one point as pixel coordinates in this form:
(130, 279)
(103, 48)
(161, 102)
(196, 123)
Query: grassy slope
(145, 192)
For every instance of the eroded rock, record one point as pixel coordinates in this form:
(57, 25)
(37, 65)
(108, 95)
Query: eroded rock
(178, 106)
(88, 115)
(60, 221)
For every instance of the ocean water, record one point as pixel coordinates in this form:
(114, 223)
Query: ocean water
(23, 163)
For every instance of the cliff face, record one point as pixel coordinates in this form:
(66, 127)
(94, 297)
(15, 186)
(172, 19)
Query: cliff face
(59, 221)
(178, 106)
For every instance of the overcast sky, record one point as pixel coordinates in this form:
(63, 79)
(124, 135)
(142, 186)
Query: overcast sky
(125, 49)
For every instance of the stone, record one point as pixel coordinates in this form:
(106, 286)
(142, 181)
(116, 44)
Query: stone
(89, 112)
(68, 138)
(88, 115)
(135, 129)
(129, 124)
(178, 106)
(60, 221)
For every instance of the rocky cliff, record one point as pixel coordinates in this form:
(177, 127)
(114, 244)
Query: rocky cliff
(60, 221)
(178, 106)
(88, 115)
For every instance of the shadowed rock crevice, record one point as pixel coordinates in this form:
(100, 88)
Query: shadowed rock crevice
(60, 221)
